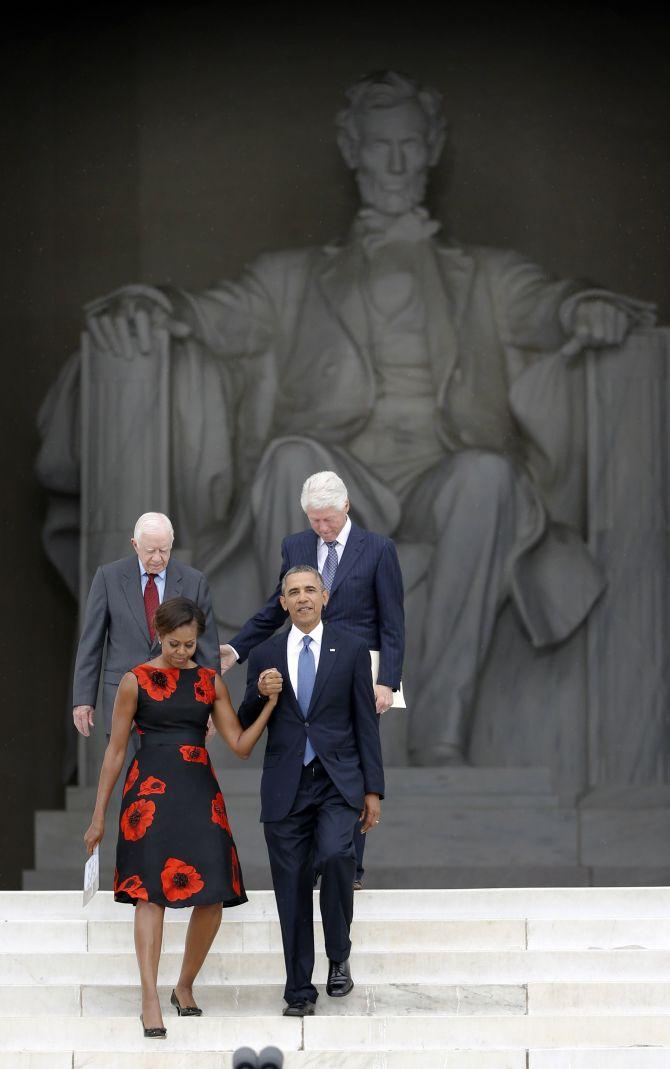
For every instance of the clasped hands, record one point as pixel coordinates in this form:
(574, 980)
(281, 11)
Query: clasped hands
(270, 683)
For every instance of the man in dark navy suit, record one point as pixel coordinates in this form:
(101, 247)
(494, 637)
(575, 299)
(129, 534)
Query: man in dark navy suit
(362, 574)
(322, 772)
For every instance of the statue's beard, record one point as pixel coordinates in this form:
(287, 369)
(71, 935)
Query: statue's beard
(407, 194)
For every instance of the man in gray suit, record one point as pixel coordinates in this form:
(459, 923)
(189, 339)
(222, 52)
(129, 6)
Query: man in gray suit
(122, 600)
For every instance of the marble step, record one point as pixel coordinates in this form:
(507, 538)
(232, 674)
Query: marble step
(497, 836)
(565, 1058)
(218, 1000)
(31, 936)
(292, 1060)
(482, 1033)
(263, 935)
(541, 903)
(445, 783)
(640, 1057)
(385, 876)
(338, 1033)
(368, 967)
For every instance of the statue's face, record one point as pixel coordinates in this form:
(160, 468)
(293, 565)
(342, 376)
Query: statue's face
(393, 155)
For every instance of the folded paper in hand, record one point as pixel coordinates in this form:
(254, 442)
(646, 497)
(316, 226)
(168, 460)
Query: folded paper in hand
(398, 696)
(92, 875)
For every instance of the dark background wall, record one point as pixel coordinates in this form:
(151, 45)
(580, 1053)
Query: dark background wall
(173, 144)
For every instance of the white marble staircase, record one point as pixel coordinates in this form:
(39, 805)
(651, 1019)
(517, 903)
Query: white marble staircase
(572, 978)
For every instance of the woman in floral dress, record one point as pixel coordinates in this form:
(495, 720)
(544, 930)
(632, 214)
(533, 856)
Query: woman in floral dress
(175, 847)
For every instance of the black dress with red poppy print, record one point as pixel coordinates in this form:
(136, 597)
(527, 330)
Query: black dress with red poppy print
(175, 847)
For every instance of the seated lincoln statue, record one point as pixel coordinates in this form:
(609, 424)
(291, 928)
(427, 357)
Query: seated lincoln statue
(437, 379)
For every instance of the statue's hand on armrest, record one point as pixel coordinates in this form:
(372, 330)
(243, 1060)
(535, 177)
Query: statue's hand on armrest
(123, 320)
(595, 319)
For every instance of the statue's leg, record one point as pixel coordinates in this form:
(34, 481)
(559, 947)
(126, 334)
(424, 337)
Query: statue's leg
(475, 507)
(275, 496)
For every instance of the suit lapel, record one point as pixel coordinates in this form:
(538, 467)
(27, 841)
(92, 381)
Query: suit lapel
(447, 278)
(349, 555)
(173, 580)
(307, 549)
(340, 285)
(281, 643)
(132, 588)
(327, 659)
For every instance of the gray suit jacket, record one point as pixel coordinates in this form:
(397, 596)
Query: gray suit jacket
(115, 613)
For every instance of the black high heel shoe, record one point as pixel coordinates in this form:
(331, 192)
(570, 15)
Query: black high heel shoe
(153, 1033)
(184, 1011)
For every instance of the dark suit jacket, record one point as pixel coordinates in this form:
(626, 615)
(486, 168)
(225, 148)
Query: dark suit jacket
(341, 724)
(115, 613)
(366, 598)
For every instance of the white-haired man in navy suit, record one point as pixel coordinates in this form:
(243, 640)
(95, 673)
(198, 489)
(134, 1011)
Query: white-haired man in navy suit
(362, 575)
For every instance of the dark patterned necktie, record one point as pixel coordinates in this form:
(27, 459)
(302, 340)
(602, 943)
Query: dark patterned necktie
(330, 566)
(151, 603)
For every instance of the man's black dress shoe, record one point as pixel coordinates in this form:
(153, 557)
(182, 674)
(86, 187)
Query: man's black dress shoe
(339, 981)
(300, 1008)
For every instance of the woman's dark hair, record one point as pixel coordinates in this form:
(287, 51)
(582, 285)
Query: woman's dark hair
(175, 612)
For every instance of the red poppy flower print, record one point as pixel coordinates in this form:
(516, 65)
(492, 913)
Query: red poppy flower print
(235, 871)
(132, 886)
(159, 683)
(116, 880)
(133, 773)
(196, 754)
(180, 880)
(204, 686)
(151, 785)
(219, 815)
(136, 819)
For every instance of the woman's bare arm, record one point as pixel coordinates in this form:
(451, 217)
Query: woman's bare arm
(125, 707)
(240, 740)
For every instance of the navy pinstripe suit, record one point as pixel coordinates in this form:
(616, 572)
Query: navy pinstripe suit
(366, 598)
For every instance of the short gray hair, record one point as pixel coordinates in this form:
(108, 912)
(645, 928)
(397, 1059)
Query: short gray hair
(323, 490)
(301, 568)
(385, 89)
(153, 521)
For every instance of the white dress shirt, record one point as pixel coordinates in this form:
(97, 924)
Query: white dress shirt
(160, 581)
(340, 543)
(294, 647)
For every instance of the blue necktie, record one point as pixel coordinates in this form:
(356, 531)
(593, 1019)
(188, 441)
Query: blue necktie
(330, 566)
(306, 677)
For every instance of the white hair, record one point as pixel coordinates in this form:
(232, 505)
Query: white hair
(153, 521)
(323, 490)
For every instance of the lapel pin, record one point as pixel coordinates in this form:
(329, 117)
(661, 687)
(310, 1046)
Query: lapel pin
(332, 651)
